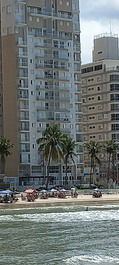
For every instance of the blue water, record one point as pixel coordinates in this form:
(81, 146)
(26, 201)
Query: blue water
(59, 236)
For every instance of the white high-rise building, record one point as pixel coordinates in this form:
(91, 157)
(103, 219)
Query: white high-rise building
(40, 80)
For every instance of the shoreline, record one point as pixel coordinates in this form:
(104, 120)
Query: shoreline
(82, 200)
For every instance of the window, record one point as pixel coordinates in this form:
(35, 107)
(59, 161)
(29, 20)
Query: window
(100, 116)
(91, 80)
(114, 97)
(60, 2)
(91, 98)
(114, 87)
(100, 137)
(114, 77)
(115, 117)
(115, 107)
(100, 107)
(8, 9)
(56, 43)
(67, 3)
(98, 67)
(99, 98)
(91, 108)
(61, 44)
(28, 158)
(91, 117)
(87, 70)
(100, 127)
(46, 105)
(37, 19)
(115, 137)
(115, 127)
(92, 136)
(61, 23)
(98, 88)
(30, 18)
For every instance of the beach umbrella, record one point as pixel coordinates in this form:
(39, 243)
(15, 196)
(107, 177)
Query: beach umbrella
(43, 191)
(53, 190)
(96, 189)
(63, 190)
(30, 191)
(5, 191)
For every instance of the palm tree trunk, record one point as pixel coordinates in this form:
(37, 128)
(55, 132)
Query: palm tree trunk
(47, 172)
(91, 168)
(108, 171)
(66, 177)
(113, 166)
(2, 171)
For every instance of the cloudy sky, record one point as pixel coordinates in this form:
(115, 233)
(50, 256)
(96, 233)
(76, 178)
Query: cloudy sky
(97, 16)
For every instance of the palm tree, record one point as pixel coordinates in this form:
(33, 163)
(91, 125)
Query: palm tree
(69, 153)
(5, 147)
(93, 149)
(110, 148)
(51, 144)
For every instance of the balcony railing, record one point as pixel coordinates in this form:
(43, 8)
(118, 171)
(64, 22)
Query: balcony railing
(51, 66)
(21, 1)
(54, 35)
(52, 87)
(50, 13)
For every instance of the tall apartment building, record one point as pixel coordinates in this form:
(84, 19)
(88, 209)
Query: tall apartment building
(40, 80)
(100, 93)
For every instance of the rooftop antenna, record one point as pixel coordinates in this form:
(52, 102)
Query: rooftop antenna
(110, 27)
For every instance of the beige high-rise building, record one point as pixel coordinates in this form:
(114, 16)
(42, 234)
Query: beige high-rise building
(39, 80)
(100, 93)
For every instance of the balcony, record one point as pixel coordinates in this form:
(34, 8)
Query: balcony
(66, 120)
(21, 43)
(22, 54)
(39, 12)
(24, 128)
(53, 35)
(51, 66)
(24, 118)
(23, 96)
(22, 65)
(22, 75)
(52, 87)
(24, 107)
(21, 1)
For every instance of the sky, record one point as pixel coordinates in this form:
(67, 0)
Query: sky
(96, 17)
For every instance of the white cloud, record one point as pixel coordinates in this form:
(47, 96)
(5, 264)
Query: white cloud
(97, 17)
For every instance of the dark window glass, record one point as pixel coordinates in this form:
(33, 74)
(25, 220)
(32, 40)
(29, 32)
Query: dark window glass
(114, 87)
(114, 77)
(98, 67)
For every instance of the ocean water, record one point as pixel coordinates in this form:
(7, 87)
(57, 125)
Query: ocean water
(59, 236)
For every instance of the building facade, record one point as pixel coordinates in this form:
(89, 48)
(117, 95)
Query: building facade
(100, 94)
(40, 79)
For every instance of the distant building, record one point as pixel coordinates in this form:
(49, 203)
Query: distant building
(100, 93)
(39, 80)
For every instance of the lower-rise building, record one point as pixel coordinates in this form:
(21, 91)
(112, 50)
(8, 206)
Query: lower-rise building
(100, 96)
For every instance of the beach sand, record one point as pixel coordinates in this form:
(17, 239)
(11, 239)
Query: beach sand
(82, 200)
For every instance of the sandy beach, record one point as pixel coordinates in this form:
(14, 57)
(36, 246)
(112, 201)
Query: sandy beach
(82, 200)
